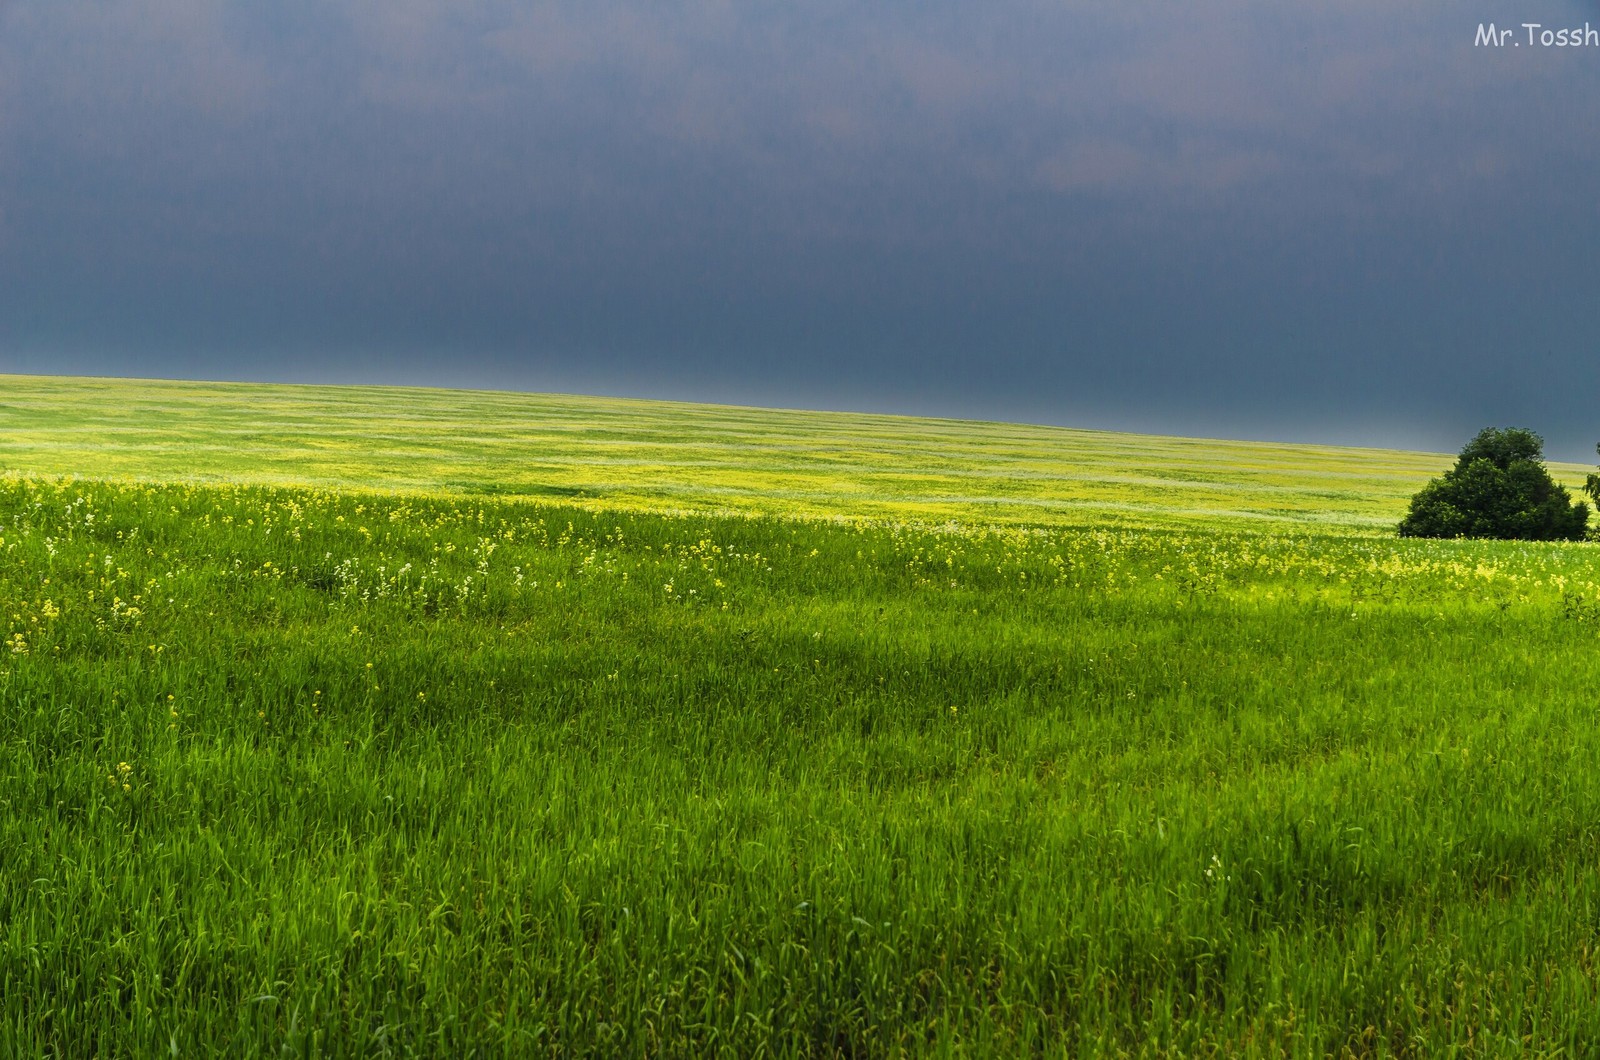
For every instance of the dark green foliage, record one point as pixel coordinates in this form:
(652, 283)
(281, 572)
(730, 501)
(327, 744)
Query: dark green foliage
(1498, 488)
(1591, 485)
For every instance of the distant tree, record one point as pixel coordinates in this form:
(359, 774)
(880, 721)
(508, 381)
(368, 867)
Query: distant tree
(1499, 488)
(1591, 485)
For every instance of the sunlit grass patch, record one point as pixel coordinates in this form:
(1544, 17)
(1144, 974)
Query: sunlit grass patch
(655, 455)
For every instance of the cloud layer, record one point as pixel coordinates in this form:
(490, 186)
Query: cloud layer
(1255, 218)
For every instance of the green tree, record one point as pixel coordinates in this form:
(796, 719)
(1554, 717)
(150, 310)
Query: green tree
(1591, 485)
(1499, 488)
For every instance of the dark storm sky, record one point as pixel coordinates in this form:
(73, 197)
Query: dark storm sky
(1314, 220)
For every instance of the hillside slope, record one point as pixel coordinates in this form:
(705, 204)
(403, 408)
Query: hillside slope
(654, 455)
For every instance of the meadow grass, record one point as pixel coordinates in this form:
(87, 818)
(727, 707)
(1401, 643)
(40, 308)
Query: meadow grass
(323, 770)
(668, 456)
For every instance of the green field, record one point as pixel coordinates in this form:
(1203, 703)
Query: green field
(662, 456)
(353, 721)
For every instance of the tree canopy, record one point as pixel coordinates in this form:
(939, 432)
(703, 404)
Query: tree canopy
(1498, 488)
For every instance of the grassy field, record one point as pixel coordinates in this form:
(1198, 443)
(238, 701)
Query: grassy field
(663, 456)
(747, 733)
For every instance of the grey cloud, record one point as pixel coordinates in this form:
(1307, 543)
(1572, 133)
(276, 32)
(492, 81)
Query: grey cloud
(1242, 213)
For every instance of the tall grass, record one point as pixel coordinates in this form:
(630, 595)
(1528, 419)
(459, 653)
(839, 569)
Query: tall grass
(332, 772)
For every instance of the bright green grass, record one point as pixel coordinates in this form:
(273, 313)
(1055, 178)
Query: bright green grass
(330, 772)
(664, 456)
